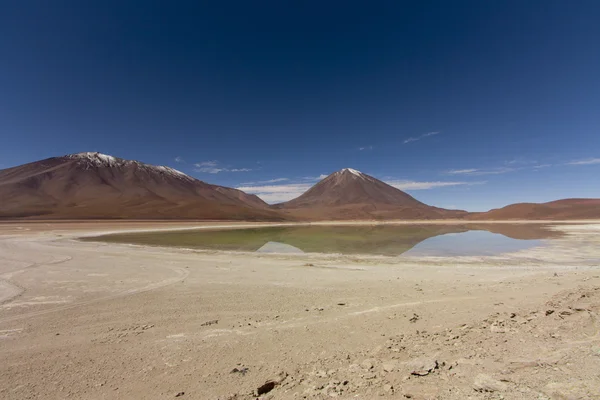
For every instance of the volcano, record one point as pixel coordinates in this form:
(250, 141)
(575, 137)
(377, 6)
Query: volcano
(93, 185)
(350, 194)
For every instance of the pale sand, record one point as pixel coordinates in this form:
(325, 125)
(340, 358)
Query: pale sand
(89, 320)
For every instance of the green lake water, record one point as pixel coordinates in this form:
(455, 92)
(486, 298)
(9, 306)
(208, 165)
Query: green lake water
(386, 240)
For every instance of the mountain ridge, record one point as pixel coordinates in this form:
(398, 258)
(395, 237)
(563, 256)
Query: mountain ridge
(574, 208)
(96, 185)
(92, 185)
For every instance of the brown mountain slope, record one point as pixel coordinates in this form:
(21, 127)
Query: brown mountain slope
(350, 194)
(94, 185)
(554, 210)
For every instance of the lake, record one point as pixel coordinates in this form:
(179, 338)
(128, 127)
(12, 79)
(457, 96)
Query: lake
(385, 240)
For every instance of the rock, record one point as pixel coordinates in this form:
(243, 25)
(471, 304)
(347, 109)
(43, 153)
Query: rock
(497, 329)
(240, 370)
(423, 366)
(265, 388)
(414, 318)
(485, 383)
(549, 312)
(388, 388)
(271, 384)
(179, 394)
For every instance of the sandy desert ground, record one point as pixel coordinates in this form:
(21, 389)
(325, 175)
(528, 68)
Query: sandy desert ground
(88, 320)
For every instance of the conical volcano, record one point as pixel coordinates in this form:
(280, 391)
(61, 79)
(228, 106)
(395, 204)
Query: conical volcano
(351, 194)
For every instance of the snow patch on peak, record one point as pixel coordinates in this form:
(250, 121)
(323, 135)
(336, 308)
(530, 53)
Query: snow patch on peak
(95, 158)
(353, 171)
(172, 171)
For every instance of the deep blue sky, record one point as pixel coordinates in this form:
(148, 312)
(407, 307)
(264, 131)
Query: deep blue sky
(254, 91)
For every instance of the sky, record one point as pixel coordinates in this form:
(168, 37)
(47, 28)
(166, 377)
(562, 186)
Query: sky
(464, 104)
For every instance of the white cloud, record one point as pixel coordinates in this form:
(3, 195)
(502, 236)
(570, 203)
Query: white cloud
(277, 193)
(277, 180)
(475, 171)
(206, 164)
(520, 161)
(540, 166)
(179, 159)
(209, 170)
(283, 192)
(239, 170)
(263, 182)
(589, 161)
(414, 139)
(212, 167)
(314, 178)
(414, 185)
(289, 191)
(462, 171)
(365, 148)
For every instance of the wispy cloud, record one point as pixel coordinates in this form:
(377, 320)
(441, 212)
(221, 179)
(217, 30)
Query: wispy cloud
(277, 193)
(540, 166)
(589, 161)
(416, 185)
(267, 181)
(314, 178)
(209, 170)
(365, 148)
(416, 138)
(282, 192)
(213, 167)
(520, 161)
(462, 171)
(289, 191)
(476, 171)
(179, 159)
(206, 164)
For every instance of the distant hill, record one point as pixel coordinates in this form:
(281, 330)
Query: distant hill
(350, 194)
(554, 210)
(95, 185)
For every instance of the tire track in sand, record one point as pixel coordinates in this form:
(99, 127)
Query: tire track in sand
(15, 290)
(182, 273)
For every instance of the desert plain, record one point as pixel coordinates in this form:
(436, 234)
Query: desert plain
(94, 320)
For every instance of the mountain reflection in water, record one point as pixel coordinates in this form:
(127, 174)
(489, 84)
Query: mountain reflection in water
(387, 240)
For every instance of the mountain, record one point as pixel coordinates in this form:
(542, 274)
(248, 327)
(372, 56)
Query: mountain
(350, 194)
(95, 185)
(555, 210)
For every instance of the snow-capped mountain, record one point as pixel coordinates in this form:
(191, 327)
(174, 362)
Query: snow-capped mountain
(95, 185)
(351, 194)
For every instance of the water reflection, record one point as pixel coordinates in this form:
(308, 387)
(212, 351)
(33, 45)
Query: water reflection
(388, 240)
